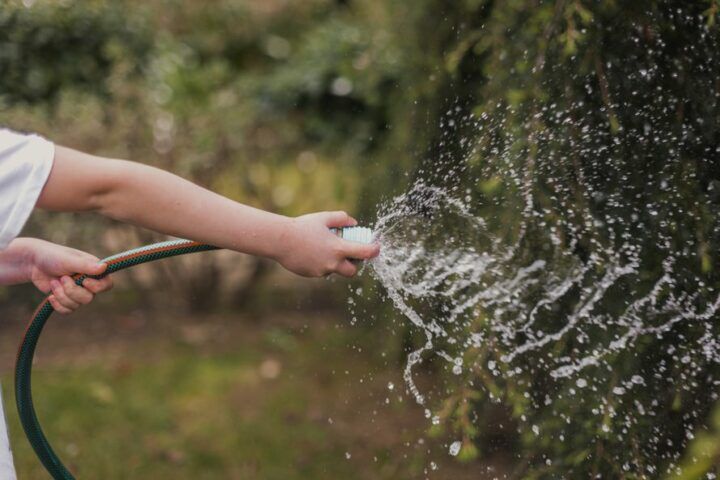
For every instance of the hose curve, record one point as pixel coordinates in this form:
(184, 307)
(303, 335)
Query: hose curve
(26, 353)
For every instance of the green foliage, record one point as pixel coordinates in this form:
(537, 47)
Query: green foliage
(540, 77)
(49, 47)
(701, 458)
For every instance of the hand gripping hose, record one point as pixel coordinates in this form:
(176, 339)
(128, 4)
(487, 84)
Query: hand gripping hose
(121, 261)
(23, 367)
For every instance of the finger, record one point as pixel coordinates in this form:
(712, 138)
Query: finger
(85, 263)
(98, 286)
(359, 251)
(346, 269)
(62, 297)
(57, 307)
(75, 292)
(339, 219)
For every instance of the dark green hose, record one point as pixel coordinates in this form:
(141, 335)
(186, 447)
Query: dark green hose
(23, 367)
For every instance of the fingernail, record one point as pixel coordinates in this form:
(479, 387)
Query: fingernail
(54, 284)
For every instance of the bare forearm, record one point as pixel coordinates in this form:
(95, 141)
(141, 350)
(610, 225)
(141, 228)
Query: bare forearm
(160, 201)
(166, 203)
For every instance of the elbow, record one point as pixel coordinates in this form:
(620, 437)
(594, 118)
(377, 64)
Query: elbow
(111, 203)
(107, 196)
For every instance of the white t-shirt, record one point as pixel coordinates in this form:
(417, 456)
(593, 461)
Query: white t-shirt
(25, 164)
(7, 468)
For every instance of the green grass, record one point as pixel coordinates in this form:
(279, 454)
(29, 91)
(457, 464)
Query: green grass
(182, 417)
(169, 408)
(180, 398)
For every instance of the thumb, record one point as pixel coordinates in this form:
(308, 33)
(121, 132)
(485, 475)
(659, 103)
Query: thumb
(85, 263)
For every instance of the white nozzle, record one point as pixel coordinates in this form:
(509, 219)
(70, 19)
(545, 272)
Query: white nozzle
(355, 234)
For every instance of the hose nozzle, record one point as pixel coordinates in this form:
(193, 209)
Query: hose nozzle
(354, 234)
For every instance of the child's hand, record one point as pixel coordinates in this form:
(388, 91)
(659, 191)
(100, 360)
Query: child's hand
(310, 249)
(50, 267)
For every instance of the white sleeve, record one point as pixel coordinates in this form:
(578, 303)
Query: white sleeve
(25, 164)
(7, 469)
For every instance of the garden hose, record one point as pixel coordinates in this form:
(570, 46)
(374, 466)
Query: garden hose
(121, 261)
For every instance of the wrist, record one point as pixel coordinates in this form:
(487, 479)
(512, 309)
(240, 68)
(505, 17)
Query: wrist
(18, 260)
(286, 235)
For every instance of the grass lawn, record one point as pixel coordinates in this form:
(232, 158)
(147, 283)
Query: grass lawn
(287, 397)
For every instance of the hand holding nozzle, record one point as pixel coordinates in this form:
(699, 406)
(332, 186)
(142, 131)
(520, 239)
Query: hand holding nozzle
(307, 248)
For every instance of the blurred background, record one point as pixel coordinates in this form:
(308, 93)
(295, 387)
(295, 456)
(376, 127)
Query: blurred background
(223, 366)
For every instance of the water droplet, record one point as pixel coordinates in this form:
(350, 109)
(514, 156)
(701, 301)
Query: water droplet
(455, 448)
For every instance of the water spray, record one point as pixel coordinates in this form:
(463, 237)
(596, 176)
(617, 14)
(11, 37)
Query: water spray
(120, 261)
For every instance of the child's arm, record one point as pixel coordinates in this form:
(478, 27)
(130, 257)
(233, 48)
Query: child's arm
(46, 265)
(158, 200)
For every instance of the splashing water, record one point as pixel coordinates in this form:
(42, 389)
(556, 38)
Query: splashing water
(556, 256)
(448, 276)
(550, 304)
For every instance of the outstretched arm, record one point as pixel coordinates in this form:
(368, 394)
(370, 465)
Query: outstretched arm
(158, 200)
